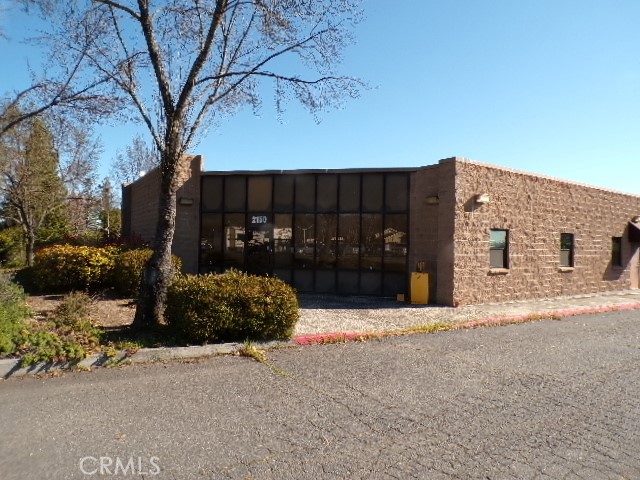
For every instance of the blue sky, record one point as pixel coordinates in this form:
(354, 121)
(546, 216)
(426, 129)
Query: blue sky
(546, 86)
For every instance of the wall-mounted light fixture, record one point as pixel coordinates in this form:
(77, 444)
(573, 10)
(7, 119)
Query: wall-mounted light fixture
(432, 200)
(187, 201)
(483, 198)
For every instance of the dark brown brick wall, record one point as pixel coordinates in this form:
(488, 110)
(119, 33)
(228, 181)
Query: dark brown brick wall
(141, 211)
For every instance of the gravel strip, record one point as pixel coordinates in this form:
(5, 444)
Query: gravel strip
(328, 313)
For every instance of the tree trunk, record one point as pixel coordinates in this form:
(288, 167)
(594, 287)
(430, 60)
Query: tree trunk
(159, 271)
(29, 245)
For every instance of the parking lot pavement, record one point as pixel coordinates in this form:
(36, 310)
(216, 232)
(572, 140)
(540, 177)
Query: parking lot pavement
(544, 400)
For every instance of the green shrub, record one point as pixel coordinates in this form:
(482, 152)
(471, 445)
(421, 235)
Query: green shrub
(67, 334)
(231, 306)
(129, 267)
(74, 309)
(13, 311)
(12, 252)
(45, 346)
(68, 267)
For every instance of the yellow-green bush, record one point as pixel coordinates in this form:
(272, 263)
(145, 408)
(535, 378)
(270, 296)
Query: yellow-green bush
(231, 306)
(68, 267)
(128, 269)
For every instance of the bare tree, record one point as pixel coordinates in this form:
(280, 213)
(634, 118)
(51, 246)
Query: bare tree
(183, 63)
(138, 158)
(110, 216)
(61, 86)
(80, 155)
(33, 194)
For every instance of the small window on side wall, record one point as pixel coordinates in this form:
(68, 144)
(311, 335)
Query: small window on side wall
(566, 249)
(499, 249)
(616, 251)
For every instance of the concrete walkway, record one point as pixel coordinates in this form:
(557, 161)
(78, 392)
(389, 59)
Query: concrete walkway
(331, 314)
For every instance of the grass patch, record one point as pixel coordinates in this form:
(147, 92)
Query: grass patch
(430, 328)
(249, 350)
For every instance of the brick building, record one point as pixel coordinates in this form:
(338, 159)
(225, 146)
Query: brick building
(482, 233)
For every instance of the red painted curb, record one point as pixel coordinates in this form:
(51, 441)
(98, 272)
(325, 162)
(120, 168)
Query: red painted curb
(338, 337)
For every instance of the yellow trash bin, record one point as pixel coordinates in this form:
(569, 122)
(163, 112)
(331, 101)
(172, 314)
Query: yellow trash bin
(419, 288)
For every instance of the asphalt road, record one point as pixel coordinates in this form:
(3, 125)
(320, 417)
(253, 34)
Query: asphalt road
(544, 400)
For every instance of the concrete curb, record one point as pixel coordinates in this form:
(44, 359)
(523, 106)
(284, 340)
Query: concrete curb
(11, 367)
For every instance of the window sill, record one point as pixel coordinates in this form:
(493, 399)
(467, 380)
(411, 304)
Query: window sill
(566, 269)
(498, 271)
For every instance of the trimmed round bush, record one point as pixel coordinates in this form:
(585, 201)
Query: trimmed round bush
(128, 269)
(69, 267)
(232, 306)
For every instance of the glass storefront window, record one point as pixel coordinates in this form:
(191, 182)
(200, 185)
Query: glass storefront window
(327, 231)
(325, 281)
(235, 193)
(370, 283)
(304, 240)
(394, 283)
(234, 240)
(211, 242)
(282, 240)
(259, 243)
(211, 194)
(396, 191)
(349, 192)
(303, 280)
(283, 193)
(372, 192)
(372, 242)
(348, 241)
(259, 193)
(327, 193)
(395, 242)
(333, 232)
(305, 192)
(348, 282)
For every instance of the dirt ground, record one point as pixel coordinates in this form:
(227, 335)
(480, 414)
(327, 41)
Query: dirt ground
(105, 311)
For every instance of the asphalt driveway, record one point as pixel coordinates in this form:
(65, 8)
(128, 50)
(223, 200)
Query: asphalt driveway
(549, 399)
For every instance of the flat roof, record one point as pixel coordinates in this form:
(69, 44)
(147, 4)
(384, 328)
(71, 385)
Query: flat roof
(314, 170)
(539, 175)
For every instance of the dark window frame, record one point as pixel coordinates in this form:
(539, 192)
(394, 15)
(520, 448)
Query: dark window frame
(567, 249)
(504, 264)
(616, 252)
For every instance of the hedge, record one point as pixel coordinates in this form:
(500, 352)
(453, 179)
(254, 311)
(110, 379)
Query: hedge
(232, 306)
(128, 269)
(68, 267)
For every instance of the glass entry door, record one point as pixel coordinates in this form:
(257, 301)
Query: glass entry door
(259, 244)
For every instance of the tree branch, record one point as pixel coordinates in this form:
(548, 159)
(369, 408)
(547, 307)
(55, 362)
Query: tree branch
(203, 55)
(119, 6)
(164, 85)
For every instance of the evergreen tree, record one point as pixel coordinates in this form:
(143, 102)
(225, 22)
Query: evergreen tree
(33, 192)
